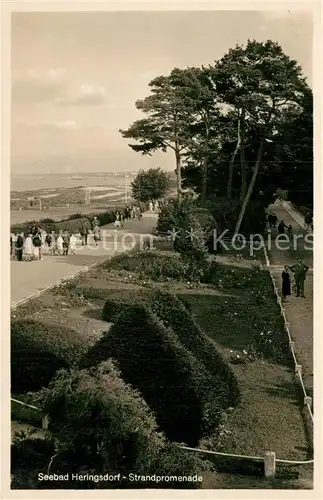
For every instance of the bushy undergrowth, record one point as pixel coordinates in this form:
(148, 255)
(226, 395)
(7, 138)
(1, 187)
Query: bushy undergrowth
(230, 277)
(38, 350)
(113, 430)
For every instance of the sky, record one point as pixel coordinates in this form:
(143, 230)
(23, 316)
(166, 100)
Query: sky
(75, 76)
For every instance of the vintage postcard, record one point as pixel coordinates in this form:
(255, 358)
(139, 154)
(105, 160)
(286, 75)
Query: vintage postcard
(158, 162)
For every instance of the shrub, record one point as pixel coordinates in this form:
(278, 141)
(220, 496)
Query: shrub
(175, 314)
(228, 277)
(121, 301)
(217, 384)
(160, 267)
(193, 225)
(171, 213)
(112, 430)
(38, 350)
(152, 360)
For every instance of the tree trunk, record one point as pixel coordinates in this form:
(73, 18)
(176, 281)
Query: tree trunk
(204, 179)
(243, 187)
(250, 188)
(178, 175)
(231, 164)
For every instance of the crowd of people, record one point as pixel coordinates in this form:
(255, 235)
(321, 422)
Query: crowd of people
(297, 272)
(272, 221)
(128, 213)
(33, 244)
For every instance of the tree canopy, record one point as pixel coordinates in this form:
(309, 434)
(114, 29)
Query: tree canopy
(152, 184)
(240, 126)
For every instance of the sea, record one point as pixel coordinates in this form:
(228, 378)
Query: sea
(32, 182)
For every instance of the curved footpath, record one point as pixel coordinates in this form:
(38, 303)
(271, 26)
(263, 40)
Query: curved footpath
(299, 311)
(28, 278)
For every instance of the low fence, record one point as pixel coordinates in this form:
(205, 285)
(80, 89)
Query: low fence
(267, 463)
(298, 366)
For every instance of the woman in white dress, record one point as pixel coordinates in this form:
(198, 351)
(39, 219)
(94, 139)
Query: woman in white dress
(28, 248)
(59, 244)
(72, 244)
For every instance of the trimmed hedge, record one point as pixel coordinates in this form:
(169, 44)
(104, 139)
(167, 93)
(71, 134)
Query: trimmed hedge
(38, 350)
(152, 360)
(220, 388)
(175, 314)
(71, 223)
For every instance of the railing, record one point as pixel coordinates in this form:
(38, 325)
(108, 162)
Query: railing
(298, 367)
(269, 459)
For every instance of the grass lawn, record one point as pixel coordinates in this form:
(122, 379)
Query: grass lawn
(268, 418)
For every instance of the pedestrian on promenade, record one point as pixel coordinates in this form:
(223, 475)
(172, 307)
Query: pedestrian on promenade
(308, 219)
(96, 234)
(66, 242)
(13, 241)
(281, 227)
(59, 244)
(121, 218)
(299, 270)
(52, 244)
(117, 220)
(48, 241)
(95, 222)
(286, 284)
(43, 235)
(37, 246)
(85, 232)
(19, 246)
(28, 248)
(290, 230)
(73, 244)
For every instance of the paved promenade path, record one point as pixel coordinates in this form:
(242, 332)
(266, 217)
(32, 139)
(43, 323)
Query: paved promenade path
(299, 311)
(27, 278)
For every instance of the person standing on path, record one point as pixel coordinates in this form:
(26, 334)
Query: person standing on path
(286, 284)
(281, 227)
(73, 244)
(20, 246)
(59, 244)
(28, 248)
(96, 234)
(299, 270)
(85, 232)
(308, 219)
(66, 242)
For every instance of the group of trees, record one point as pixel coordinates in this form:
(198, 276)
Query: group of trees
(238, 127)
